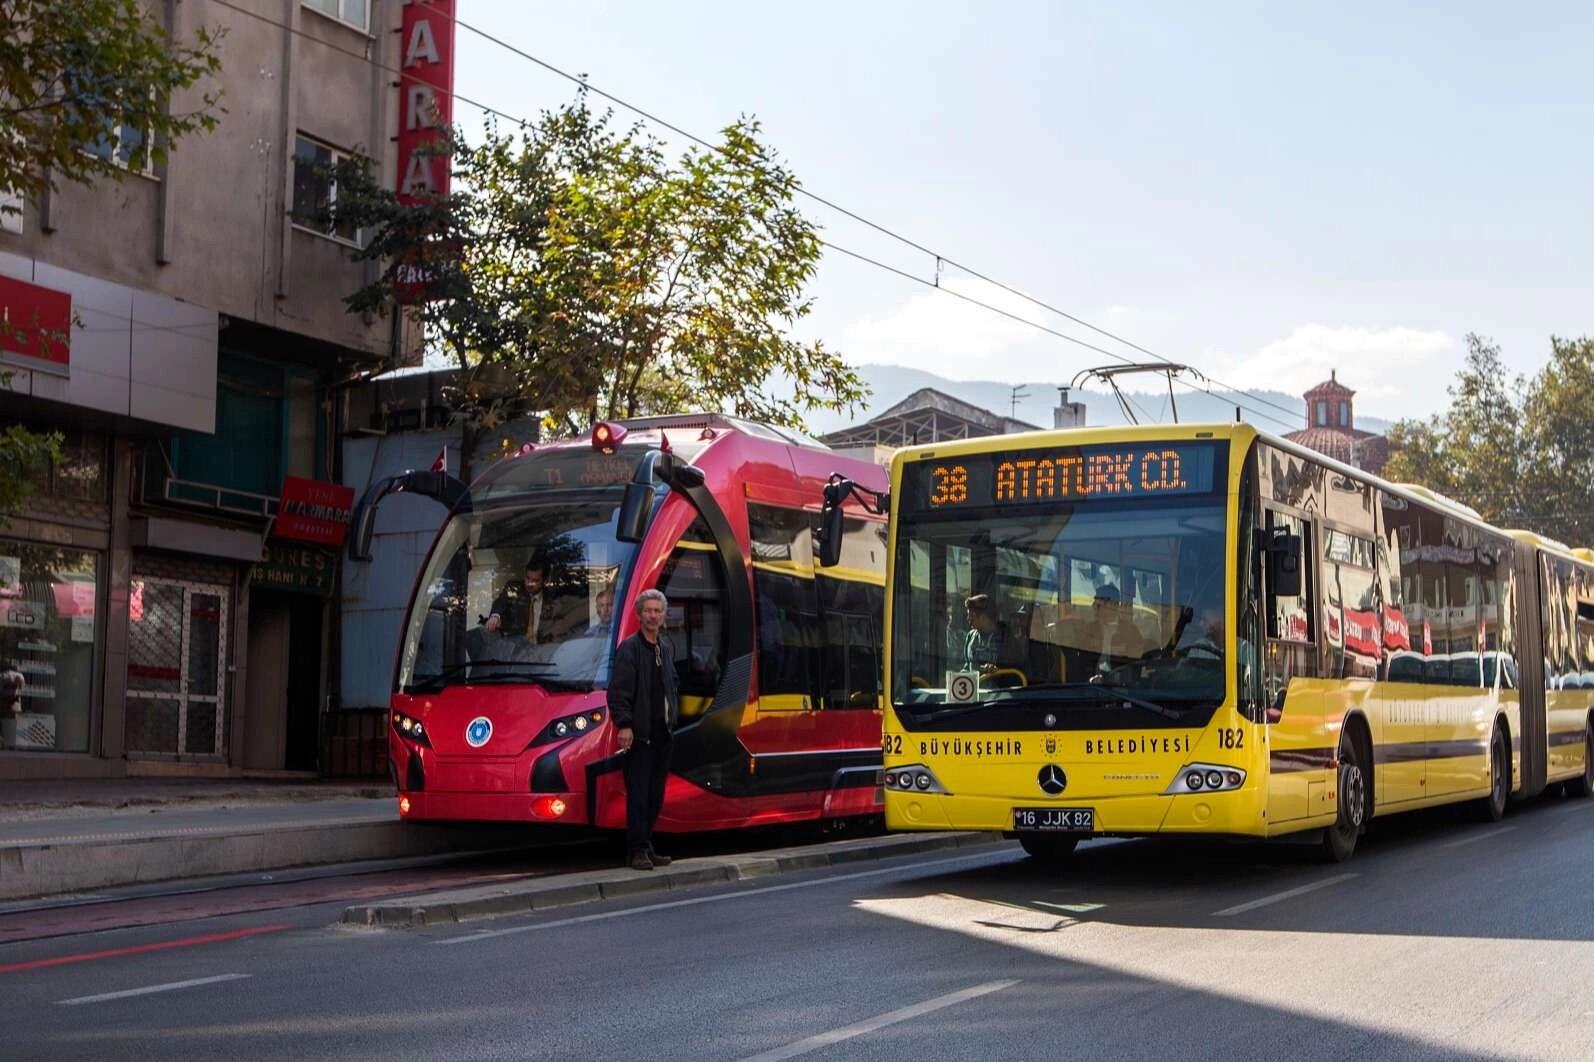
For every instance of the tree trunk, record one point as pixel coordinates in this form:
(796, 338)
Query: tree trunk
(469, 437)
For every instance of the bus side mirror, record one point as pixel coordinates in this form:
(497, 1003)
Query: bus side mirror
(1284, 564)
(635, 509)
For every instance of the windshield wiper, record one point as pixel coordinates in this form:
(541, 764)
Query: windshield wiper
(1100, 690)
(436, 681)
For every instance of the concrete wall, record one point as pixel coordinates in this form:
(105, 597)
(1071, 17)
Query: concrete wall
(133, 353)
(212, 227)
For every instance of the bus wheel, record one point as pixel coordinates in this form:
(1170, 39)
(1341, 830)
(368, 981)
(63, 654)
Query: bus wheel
(1492, 807)
(1048, 848)
(1584, 786)
(1339, 840)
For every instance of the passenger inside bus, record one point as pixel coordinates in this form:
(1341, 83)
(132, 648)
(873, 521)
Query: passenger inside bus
(1119, 639)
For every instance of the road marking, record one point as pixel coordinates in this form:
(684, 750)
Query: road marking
(149, 990)
(1579, 804)
(62, 960)
(1485, 835)
(763, 891)
(1288, 894)
(847, 1032)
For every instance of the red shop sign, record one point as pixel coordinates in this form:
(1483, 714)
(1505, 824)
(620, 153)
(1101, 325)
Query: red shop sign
(35, 326)
(313, 511)
(426, 97)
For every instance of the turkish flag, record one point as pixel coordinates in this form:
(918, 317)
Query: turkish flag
(441, 464)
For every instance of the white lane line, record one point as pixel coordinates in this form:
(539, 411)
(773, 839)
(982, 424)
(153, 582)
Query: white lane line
(150, 990)
(1578, 804)
(764, 891)
(1484, 836)
(1288, 894)
(847, 1032)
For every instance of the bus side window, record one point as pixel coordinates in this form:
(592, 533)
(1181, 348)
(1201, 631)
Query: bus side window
(1291, 627)
(693, 580)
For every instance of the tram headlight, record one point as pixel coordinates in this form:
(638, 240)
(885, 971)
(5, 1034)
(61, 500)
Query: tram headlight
(1205, 778)
(568, 725)
(411, 729)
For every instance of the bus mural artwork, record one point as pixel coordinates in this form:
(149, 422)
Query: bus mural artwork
(498, 708)
(1209, 630)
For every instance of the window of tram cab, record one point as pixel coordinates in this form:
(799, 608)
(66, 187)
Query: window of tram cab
(787, 607)
(693, 580)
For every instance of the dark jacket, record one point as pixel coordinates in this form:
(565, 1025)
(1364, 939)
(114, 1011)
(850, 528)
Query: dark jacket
(562, 614)
(631, 686)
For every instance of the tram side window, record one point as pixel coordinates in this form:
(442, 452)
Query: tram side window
(854, 632)
(693, 580)
(789, 636)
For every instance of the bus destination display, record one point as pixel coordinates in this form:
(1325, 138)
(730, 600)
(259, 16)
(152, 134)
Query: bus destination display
(1065, 474)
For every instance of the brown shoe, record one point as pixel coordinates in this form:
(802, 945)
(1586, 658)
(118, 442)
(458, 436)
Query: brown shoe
(659, 860)
(641, 861)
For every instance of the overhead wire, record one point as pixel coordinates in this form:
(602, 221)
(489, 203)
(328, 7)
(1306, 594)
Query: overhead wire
(853, 215)
(648, 116)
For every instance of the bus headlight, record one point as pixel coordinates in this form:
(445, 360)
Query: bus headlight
(1205, 778)
(915, 778)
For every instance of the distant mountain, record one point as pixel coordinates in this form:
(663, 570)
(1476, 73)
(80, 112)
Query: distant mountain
(890, 384)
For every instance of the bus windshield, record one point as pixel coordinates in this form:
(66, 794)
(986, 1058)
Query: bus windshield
(520, 593)
(1095, 613)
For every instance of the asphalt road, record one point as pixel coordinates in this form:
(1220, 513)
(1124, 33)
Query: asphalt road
(1443, 939)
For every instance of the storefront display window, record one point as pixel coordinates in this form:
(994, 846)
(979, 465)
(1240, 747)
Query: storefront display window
(49, 622)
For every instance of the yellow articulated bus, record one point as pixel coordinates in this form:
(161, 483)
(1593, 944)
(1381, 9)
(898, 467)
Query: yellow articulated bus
(1197, 629)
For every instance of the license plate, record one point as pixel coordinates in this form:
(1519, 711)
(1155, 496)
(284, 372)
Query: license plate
(1064, 820)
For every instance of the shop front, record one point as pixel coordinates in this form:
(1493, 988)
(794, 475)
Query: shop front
(50, 628)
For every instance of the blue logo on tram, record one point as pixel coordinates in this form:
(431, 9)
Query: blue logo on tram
(480, 729)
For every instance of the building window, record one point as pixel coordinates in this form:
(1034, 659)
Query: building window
(1344, 414)
(49, 623)
(1322, 413)
(356, 13)
(315, 189)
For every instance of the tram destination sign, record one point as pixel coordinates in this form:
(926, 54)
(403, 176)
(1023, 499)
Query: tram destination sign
(1062, 474)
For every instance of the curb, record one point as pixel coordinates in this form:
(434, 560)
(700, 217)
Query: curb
(564, 890)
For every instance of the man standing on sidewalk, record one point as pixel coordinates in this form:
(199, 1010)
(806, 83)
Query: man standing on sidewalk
(644, 706)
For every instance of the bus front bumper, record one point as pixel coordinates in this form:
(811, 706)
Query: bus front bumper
(1237, 812)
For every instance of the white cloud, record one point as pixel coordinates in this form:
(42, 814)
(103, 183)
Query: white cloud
(1391, 366)
(943, 334)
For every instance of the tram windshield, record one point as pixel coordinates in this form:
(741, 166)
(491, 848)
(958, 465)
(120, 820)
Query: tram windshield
(521, 593)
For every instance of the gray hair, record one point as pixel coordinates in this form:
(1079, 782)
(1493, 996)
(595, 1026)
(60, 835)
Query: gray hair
(651, 595)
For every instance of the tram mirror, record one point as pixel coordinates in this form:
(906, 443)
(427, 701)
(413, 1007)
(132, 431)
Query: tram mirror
(830, 536)
(1284, 564)
(635, 509)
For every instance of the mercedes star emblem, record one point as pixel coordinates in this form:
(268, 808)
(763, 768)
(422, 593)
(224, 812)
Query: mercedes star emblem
(1052, 779)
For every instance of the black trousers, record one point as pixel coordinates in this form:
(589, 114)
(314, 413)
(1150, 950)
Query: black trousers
(646, 768)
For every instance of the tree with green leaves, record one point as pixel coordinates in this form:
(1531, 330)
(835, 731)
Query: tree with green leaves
(1557, 444)
(85, 87)
(577, 271)
(1520, 452)
(1470, 452)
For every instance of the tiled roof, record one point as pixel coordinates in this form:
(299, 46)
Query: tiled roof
(1366, 450)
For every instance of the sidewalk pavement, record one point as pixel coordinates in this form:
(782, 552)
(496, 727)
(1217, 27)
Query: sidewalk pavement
(67, 837)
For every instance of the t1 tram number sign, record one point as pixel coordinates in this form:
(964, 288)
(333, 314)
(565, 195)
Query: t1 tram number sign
(1066, 475)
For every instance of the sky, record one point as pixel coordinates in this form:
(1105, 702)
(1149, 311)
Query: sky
(1263, 191)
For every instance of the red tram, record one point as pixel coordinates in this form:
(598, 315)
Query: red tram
(498, 708)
